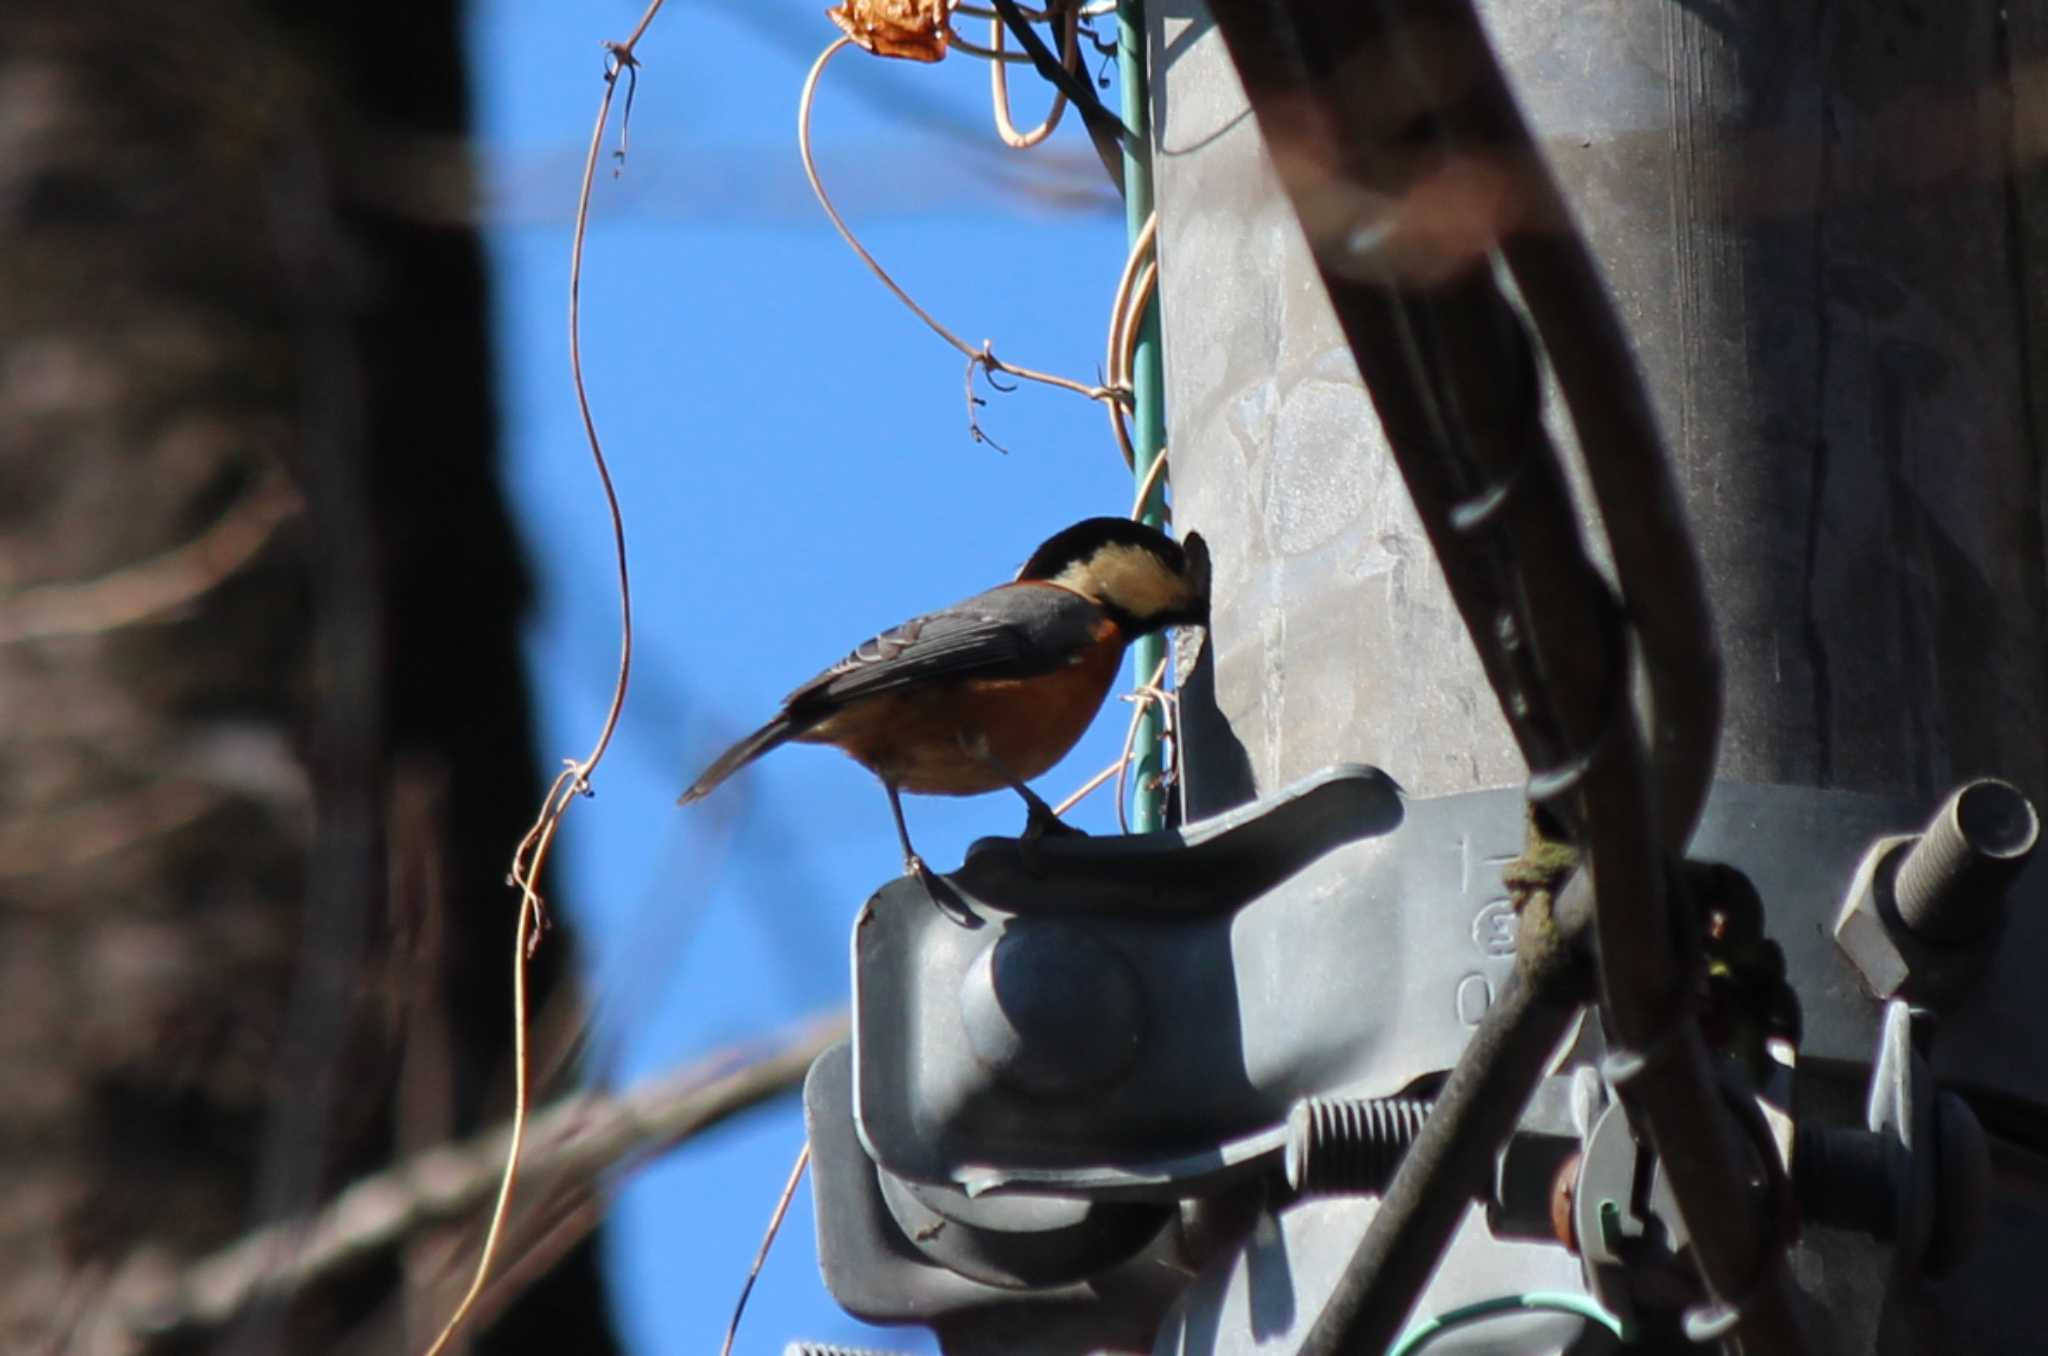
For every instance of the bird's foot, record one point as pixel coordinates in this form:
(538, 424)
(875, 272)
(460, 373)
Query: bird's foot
(1041, 822)
(937, 891)
(942, 896)
(1041, 825)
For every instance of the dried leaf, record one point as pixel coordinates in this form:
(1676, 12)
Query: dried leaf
(912, 29)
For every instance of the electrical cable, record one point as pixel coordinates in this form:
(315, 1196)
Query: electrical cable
(1535, 1301)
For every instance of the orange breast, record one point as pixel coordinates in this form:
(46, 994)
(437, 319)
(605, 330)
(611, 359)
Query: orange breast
(925, 740)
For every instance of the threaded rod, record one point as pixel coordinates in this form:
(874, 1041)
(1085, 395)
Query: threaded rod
(1349, 1145)
(1951, 883)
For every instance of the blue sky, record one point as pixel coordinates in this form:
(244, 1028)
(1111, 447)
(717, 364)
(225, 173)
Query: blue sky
(793, 455)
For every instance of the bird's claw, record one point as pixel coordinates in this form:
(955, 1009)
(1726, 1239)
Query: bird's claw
(1041, 822)
(941, 896)
(913, 865)
(1041, 825)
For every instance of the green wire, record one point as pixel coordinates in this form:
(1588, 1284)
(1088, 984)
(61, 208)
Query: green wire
(1148, 418)
(1545, 1301)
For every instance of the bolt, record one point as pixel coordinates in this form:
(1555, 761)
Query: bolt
(1850, 1179)
(1962, 1184)
(1950, 884)
(832, 1349)
(1859, 1179)
(1341, 1145)
(1053, 1010)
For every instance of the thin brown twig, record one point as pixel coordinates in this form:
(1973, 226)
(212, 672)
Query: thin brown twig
(1094, 10)
(622, 58)
(983, 357)
(974, 403)
(999, 82)
(574, 780)
(1037, 16)
(1126, 342)
(1116, 359)
(529, 910)
(956, 43)
(1139, 697)
(1087, 788)
(1149, 484)
(1120, 300)
(577, 1214)
(739, 1308)
(632, 69)
(576, 1206)
(1141, 297)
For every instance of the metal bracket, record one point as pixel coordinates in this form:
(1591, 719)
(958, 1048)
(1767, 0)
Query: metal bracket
(1136, 1016)
(885, 1269)
(1083, 1036)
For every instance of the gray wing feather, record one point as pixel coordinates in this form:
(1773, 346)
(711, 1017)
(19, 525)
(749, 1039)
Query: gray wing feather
(1008, 632)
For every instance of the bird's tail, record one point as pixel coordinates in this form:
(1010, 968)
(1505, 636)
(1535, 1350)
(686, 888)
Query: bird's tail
(776, 731)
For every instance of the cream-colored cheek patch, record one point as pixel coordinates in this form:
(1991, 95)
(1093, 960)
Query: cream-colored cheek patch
(1131, 578)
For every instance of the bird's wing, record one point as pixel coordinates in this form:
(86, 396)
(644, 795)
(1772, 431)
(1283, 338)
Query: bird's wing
(1014, 631)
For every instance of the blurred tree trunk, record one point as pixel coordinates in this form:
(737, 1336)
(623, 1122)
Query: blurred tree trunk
(265, 744)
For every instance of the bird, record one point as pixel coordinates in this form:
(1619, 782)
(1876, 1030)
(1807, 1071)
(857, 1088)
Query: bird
(994, 690)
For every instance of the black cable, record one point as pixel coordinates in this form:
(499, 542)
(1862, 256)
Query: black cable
(1344, 102)
(1451, 1161)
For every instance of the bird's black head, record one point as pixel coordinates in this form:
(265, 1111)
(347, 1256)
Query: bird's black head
(1138, 574)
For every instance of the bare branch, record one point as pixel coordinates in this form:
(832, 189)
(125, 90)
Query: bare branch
(574, 780)
(151, 588)
(574, 1142)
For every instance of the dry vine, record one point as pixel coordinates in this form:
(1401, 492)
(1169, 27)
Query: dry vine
(983, 358)
(530, 856)
(1133, 294)
(739, 1308)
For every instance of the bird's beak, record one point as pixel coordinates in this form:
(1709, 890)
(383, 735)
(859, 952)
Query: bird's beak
(1199, 570)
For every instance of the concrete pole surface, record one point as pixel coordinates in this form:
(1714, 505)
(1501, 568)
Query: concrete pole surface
(1826, 228)
(1810, 218)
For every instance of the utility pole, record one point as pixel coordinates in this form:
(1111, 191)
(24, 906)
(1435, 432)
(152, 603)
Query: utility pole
(1830, 267)
(1619, 426)
(1827, 232)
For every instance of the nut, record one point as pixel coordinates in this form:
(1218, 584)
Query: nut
(1880, 948)
(1894, 962)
